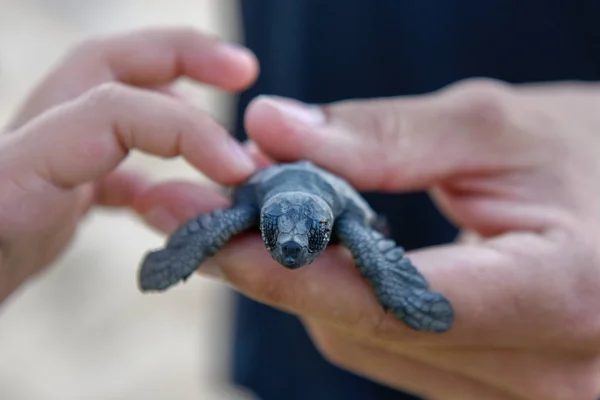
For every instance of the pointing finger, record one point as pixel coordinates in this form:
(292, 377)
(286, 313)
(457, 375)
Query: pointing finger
(83, 140)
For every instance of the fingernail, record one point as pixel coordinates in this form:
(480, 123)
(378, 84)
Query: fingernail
(211, 269)
(234, 50)
(259, 158)
(301, 112)
(161, 219)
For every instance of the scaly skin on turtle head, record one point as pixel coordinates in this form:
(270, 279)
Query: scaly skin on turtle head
(296, 227)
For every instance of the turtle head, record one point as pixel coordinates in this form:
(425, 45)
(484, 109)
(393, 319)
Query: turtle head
(296, 227)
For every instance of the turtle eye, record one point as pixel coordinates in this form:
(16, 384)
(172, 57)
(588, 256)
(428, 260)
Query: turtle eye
(318, 236)
(269, 231)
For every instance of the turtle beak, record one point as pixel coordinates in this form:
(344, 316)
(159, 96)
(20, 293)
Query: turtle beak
(292, 254)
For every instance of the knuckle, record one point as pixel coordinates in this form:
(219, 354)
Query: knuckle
(385, 123)
(482, 104)
(380, 119)
(105, 95)
(383, 129)
(104, 107)
(484, 87)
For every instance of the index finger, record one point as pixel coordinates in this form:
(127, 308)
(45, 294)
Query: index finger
(148, 58)
(85, 139)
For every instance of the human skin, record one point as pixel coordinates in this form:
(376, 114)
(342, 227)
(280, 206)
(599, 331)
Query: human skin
(517, 169)
(514, 166)
(108, 96)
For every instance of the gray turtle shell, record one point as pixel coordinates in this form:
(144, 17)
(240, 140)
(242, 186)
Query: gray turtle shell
(344, 191)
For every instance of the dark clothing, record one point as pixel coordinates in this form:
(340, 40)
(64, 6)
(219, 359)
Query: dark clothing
(327, 50)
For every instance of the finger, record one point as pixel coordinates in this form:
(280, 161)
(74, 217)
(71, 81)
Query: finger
(404, 143)
(170, 90)
(398, 371)
(84, 140)
(515, 283)
(523, 373)
(119, 189)
(166, 206)
(149, 57)
(331, 289)
(259, 157)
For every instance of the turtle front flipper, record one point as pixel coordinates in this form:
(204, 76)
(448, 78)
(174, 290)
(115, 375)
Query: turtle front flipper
(192, 244)
(398, 285)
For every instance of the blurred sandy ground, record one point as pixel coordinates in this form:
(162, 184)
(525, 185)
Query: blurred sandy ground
(83, 331)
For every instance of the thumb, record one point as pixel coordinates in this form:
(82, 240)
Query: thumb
(400, 143)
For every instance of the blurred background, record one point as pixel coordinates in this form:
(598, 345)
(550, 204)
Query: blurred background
(83, 330)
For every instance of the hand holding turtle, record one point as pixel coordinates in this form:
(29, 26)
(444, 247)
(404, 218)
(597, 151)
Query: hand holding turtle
(111, 95)
(517, 168)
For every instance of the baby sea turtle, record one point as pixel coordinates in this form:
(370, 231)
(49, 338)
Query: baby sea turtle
(299, 208)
